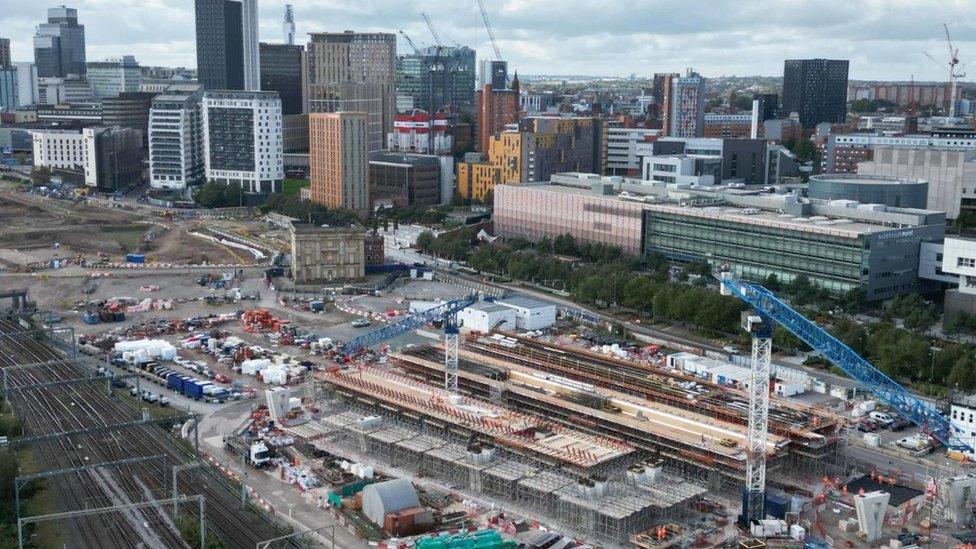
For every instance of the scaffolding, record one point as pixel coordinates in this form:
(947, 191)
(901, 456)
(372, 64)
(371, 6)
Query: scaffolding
(418, 446)
(538, 491)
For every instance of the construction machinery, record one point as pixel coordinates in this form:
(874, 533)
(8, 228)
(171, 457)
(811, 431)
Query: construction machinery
(769, 309)
(953, 75)
(446, 312)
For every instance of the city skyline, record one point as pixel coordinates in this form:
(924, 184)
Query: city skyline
(883, 40)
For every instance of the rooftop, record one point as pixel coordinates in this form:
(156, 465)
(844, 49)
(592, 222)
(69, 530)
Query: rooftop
(747, 206)
(865, 179)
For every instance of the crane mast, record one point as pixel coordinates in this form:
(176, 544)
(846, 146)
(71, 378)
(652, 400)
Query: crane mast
(769, 310)
(491, 34)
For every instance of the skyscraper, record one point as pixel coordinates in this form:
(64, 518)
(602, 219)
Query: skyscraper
(227, 44)
(59, 44)
(281, 71)
(438, 78)
(354, 72)
(816, 89)
(4, 53)
(338, 160)
(684, 105)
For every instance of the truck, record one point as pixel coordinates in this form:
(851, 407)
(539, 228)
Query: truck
(256, 451)
(193, 388)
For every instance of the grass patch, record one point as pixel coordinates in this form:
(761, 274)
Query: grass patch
(291, 187)
(129, 237)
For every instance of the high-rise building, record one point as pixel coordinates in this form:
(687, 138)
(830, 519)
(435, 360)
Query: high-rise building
(281, 71)
(9, 86)
(496, 109)
(768, 107)
(355, 97)
(288, 25)
(227, 44)
(5, 53)
(438, 78)
(815, 89)
(26, 83)
(242, 139)
(114, 76)
(493, 73)
(59, 44)
(354, 72)
(176, 138)
(339, 159)
(684, 105)
(129, 110)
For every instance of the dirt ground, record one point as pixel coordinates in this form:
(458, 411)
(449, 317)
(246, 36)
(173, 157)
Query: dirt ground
(31, 222)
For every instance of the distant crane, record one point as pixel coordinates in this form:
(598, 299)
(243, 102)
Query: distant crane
(491, 34)
(953, 75)
(409, 42)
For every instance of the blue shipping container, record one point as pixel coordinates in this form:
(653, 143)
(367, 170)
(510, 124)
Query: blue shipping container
(173, 381)
(193, 389)
(135, 258)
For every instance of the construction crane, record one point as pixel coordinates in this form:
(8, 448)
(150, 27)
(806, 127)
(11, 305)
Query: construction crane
(953, 75)
(446, 312)
(768, 309)
(433, 32)
(491, 34)
(409, 42)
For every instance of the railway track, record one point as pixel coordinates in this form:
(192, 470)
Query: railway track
(55, 409)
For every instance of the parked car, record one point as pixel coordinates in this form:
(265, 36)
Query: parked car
(362, 323)
(868, 424)
(149, 397)
(900, 424)
(881, 418)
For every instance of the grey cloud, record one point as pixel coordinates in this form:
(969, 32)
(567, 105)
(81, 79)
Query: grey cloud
(883, 38)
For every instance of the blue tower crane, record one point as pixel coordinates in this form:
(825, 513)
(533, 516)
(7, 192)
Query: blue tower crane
(768, 309)
(446, 311)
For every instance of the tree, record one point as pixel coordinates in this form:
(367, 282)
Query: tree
(40, 175)
(772, 283)
(425, 242)
(564, 244)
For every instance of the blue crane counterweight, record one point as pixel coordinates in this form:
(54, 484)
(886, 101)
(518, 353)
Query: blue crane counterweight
(888, 391)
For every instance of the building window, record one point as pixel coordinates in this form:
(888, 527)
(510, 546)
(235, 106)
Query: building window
(966, 262)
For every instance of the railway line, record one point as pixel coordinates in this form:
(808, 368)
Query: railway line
(60, 408)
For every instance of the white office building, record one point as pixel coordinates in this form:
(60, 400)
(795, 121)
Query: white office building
(60, 91)
(59, 149)
(176, 138)
(682, 169)
(114, 76)
(26, 83)
(962, 415)
(243, 139)
(622, 145)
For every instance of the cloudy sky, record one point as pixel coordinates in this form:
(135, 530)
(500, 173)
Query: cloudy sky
(882, 38)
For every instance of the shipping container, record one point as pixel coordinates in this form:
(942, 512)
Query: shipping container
(135, 258)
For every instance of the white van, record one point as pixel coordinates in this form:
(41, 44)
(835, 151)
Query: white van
(882, 418)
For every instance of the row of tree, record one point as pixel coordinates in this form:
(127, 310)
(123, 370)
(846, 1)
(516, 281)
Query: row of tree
(306, 210)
